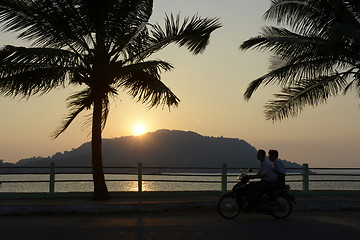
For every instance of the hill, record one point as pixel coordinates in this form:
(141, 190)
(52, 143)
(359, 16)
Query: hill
(163, 148)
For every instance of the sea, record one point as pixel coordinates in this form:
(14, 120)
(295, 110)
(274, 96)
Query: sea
(39, 183)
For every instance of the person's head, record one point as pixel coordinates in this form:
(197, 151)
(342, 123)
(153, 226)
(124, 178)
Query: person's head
(261, 155)
(273, 155)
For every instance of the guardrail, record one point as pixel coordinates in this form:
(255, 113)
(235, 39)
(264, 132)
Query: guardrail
(302, 175)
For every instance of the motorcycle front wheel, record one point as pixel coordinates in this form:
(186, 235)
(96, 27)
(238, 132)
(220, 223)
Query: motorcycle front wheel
(228, 207)
(281, 207)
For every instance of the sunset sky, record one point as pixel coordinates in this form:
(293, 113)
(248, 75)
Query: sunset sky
(210, 87)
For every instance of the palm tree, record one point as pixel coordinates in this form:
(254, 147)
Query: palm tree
(100, 45)
(317, 58)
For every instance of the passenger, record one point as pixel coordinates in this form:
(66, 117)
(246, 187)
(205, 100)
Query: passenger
(278, 167)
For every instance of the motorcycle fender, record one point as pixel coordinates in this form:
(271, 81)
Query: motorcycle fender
(229, 194)
(290, 197)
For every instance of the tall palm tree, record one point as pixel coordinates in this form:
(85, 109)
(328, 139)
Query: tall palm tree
(317, 56)
(100, 45)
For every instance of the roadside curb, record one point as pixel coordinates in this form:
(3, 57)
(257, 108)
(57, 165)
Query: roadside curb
(155, 205)
(105, 208)
(327, 205)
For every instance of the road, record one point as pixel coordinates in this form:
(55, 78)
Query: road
(185, 225)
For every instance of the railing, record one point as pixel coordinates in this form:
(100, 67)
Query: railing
(304, 176)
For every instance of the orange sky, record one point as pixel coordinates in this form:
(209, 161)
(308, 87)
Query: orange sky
(210, 87)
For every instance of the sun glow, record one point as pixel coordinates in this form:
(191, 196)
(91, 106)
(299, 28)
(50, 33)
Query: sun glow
(139, 129)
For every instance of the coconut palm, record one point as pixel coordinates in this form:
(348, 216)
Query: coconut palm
(317, 56)
(100, 45)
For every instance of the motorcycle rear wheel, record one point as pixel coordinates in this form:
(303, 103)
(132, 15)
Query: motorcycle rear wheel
(283, 207)
(228, 207)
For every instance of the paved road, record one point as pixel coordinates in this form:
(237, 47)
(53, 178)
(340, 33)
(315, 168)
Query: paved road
(185, 225)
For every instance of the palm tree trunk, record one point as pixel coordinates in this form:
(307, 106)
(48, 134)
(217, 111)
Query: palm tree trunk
(100, 189)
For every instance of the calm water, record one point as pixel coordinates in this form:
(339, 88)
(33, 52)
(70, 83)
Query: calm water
(156, 183)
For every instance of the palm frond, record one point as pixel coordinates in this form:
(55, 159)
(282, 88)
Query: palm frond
(292, 72)
(312, 16)
(282, 42)
(142, 82)
(299, 57)
(36, 57)
(77, 103)
(28, 71)
(253, 86)
(133, 46)
(354, 85)
(129, 44)
(46, 23)
(119, 21)
(153, 67)
(297, 14)
(309, 92)
(81, 101)
(192, 33)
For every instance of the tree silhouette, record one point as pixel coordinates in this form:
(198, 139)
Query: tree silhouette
(316, 59)
(100, 45)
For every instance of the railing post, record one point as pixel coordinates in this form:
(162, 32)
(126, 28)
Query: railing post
(140, 177)
(224, 178)
(52, 178)
(305, 176)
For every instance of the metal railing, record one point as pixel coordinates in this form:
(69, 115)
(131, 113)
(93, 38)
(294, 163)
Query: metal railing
(302, 175)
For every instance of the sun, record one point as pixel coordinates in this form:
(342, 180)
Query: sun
(139, 129)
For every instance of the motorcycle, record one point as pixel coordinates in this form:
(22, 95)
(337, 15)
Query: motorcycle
(277, 203)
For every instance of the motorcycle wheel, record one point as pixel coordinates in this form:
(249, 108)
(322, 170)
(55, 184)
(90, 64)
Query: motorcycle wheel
(228, 207)
(282, 207)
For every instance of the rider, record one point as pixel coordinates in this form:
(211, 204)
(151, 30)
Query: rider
(278, 167)
(267, 175)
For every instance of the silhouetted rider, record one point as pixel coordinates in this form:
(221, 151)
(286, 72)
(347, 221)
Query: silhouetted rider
(265, 173)
(268, 179)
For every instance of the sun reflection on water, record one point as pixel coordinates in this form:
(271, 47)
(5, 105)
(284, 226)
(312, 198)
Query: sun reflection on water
(132, 186)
